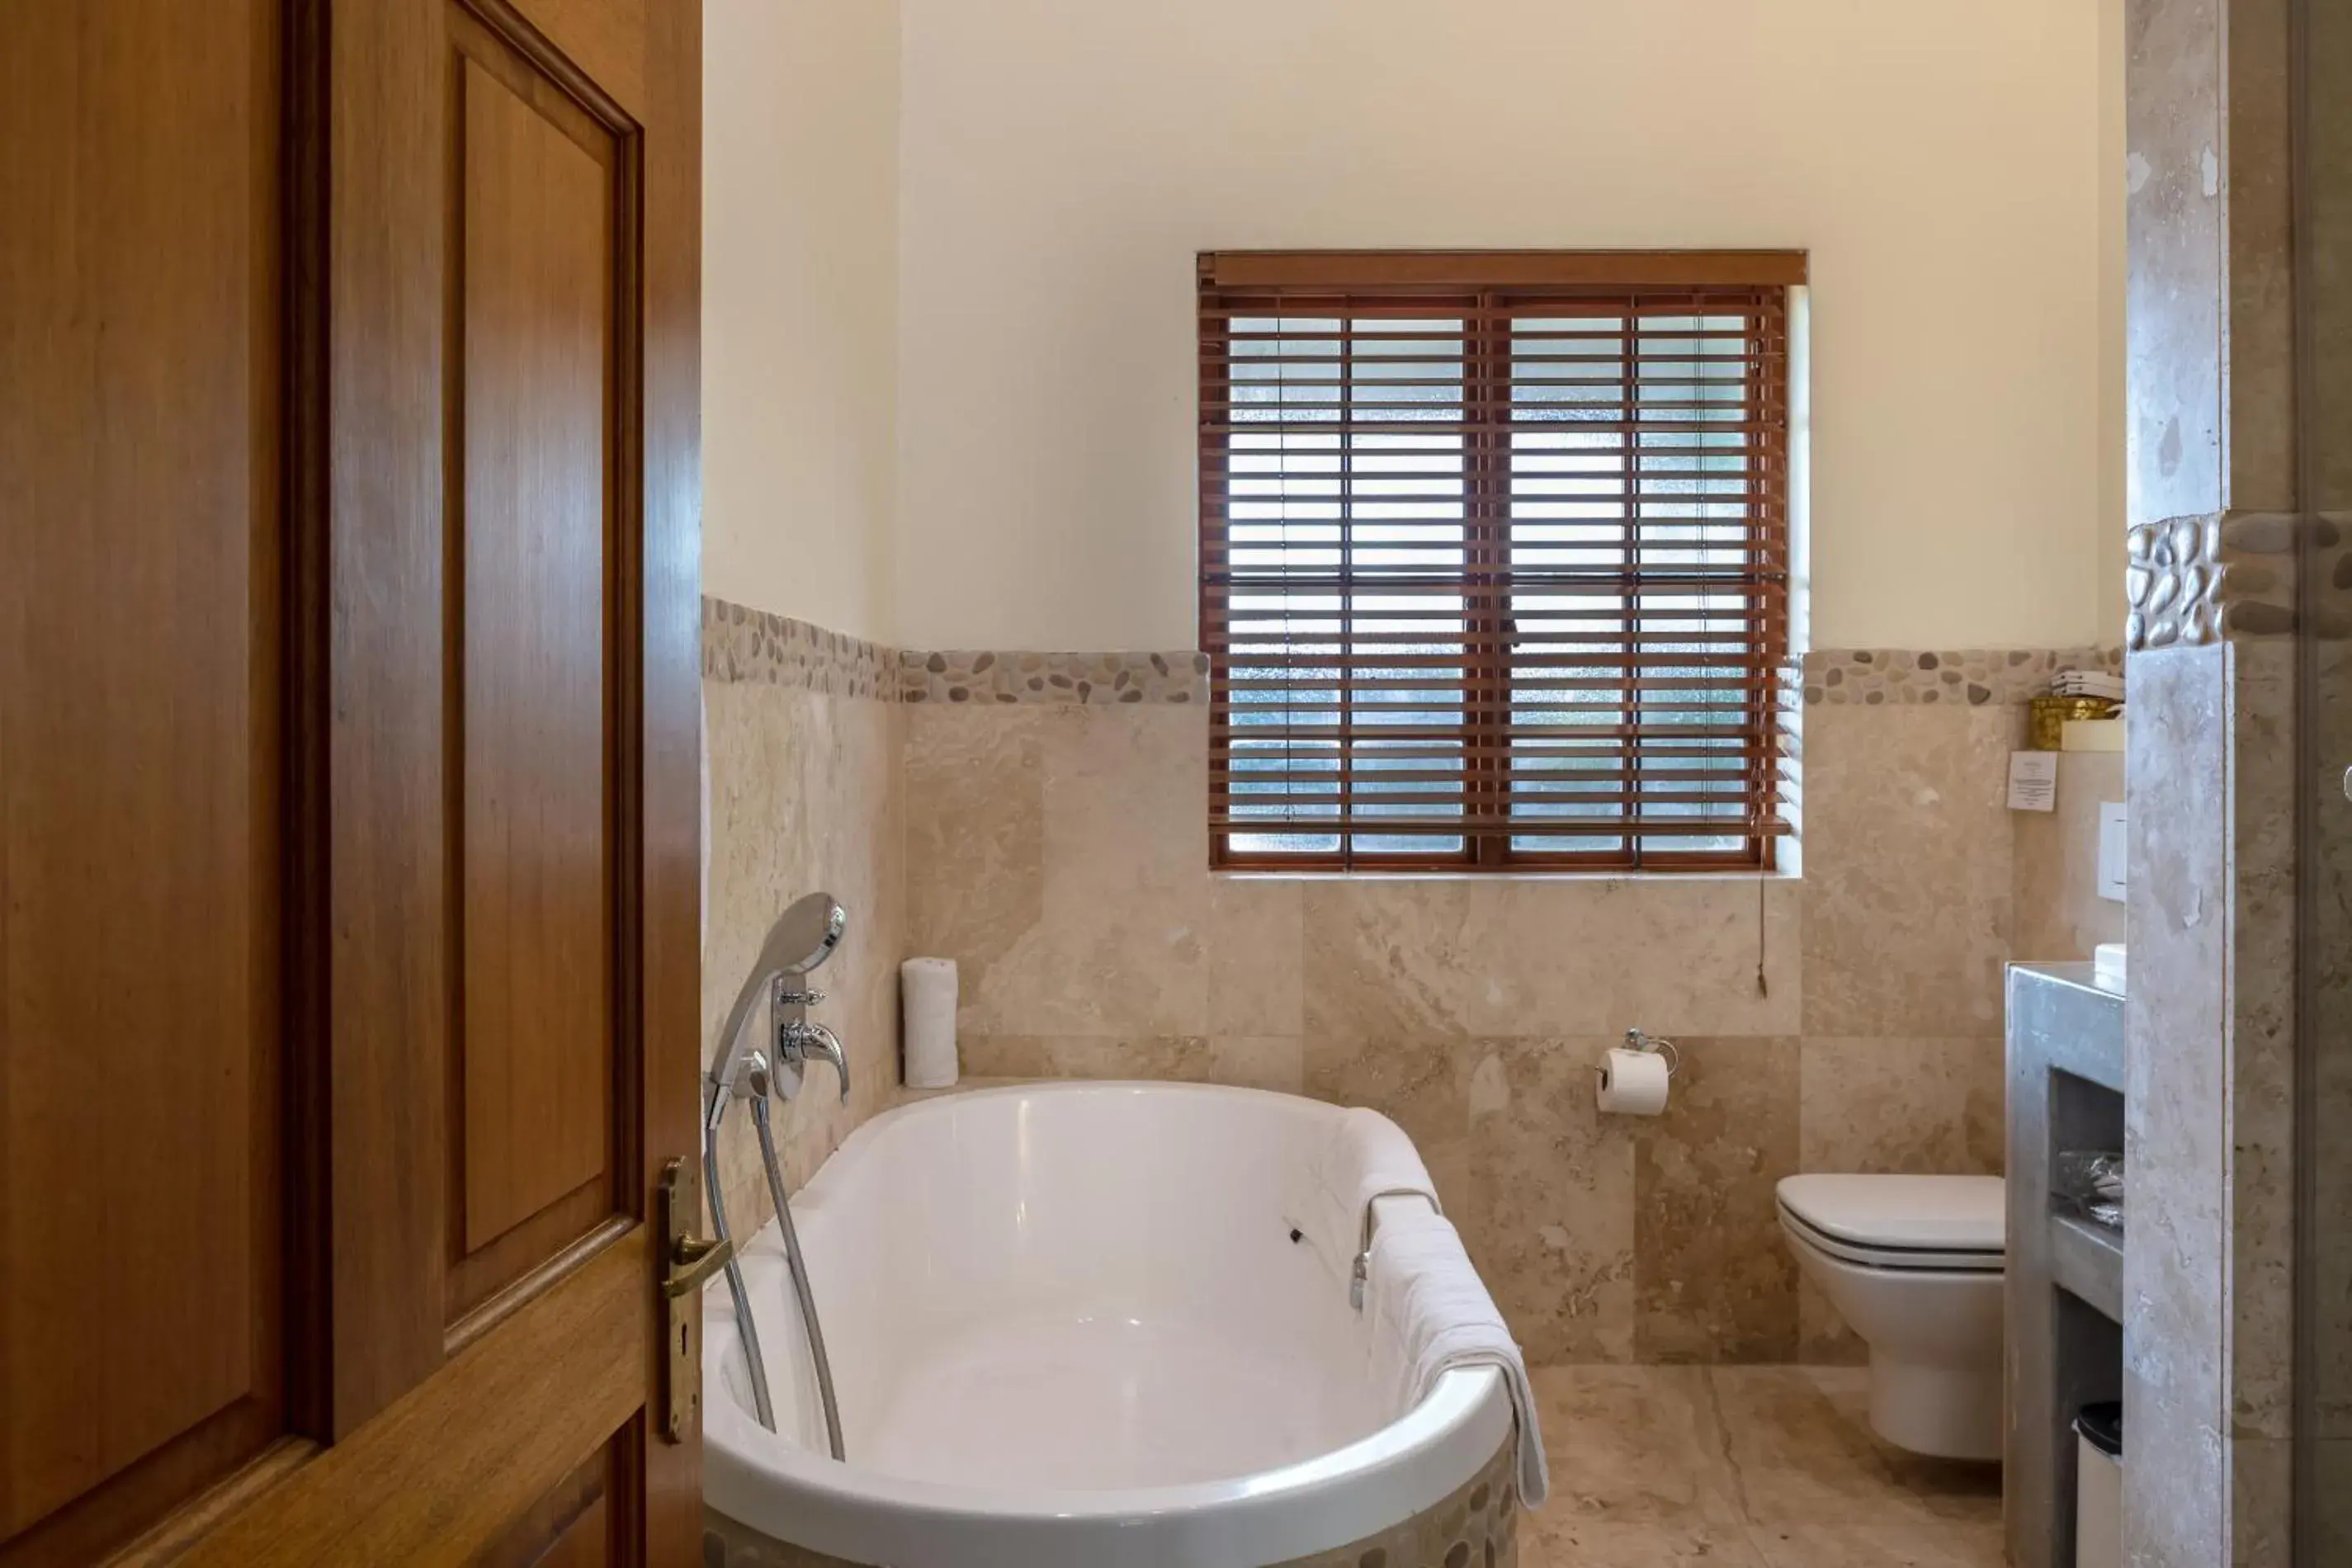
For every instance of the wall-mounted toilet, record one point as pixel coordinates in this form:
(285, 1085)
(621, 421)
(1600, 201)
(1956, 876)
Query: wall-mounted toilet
(1914, 1265)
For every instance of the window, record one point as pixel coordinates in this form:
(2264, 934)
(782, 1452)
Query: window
(1494, 558)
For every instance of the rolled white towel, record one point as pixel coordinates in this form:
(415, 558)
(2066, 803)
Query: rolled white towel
(1427, 1313)
(927, 992)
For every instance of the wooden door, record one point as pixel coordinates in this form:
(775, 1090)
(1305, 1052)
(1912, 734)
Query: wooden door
(349, 937)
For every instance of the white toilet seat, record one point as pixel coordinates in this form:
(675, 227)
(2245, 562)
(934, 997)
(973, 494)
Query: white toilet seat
(1930, 1214)
(1918, 1258)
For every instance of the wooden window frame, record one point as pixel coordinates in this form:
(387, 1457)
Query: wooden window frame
(1486, 288)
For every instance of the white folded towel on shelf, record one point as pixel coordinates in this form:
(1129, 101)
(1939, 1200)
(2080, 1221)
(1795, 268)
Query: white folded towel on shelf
(2087, 683)
(1361, 1155)
(1428, 1313)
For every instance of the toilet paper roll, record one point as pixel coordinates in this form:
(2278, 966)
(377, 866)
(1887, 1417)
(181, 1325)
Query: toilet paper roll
(1633, 1083)
(927, 997)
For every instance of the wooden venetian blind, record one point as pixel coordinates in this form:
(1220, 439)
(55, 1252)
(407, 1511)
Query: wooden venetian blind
(1494, 558)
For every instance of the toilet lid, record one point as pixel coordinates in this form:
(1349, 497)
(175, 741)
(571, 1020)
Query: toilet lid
(1915, 1214)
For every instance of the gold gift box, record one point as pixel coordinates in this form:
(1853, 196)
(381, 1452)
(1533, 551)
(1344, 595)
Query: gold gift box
(2046, 727)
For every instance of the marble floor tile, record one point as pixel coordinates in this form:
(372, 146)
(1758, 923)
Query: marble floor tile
(1802, 1453)
(1878, 1545)
(1950, 1488)
(1633, 1445)
(1743, 1467)
(1551, 1542)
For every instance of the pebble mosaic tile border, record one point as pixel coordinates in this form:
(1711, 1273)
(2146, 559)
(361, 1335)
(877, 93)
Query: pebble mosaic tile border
(743, 644)
(1968, 677)
(1476, 1527)
(2225, 576)
(1058, 677)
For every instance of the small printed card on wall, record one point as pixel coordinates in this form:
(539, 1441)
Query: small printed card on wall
(2032, 781)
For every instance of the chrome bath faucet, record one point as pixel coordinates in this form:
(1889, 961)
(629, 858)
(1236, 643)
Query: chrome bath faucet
(803, 936)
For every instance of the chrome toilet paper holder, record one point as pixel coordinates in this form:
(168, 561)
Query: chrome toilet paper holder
(1656, 1045)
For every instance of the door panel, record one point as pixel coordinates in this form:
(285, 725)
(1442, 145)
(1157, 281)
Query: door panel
(607, 41)
(489, 436)
(584, 1521)
(458, 1469)
(485, 519)
(541, 189)
(139, 1039)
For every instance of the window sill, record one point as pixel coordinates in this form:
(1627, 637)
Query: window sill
(1270, 874)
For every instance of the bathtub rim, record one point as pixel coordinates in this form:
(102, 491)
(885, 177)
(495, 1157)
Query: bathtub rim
(795, 1495)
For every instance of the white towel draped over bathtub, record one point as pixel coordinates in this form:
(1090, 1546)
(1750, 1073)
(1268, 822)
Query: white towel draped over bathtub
(1362, 1156)
(1429, 1313)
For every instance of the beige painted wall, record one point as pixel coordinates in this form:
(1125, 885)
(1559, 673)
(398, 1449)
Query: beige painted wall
(799, 307)
(1062, 160)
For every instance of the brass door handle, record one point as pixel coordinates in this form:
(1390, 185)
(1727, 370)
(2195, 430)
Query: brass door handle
(686, 1260)
(692, 1260)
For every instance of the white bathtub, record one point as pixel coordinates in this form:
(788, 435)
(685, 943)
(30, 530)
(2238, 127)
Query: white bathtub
(1069, 1325)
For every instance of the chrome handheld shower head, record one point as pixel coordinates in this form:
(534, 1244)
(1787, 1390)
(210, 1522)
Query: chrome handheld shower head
(804, 937)
(805, 934)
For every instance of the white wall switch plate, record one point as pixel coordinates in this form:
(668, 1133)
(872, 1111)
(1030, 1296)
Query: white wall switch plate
(2111, 849)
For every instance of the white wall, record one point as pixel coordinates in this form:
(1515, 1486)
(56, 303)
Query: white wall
(1062, 160)
(799, 241)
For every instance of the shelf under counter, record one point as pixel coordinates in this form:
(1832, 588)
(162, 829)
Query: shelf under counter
(2064, 1271)
(2086, 1262)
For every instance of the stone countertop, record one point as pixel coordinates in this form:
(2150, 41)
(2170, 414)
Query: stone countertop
(2082, 977)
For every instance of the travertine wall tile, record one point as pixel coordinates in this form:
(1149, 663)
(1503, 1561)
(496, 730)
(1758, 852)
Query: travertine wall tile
(2262, 991)
(2331, 1471)
(2176, 1135)
(2261, 1511)
(1094, 943)
(1496, 955)
(1550, 1215)
(1119, 943)
(1714, 1280)
(804, 797)
(2177, 260)
(2326, 867)
(1055, 844)
(1272, 1062)
(1920, 1107)
(1256, 955)
(2059, 916)
(975, 790)
(1908, 870)
(2222, 354)
(1422, 1082)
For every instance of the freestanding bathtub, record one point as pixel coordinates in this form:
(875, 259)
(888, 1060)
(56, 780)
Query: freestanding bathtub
(1070, 1328)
